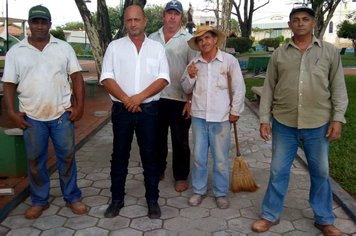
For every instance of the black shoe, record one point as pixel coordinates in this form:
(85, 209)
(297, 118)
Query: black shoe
(114, 209)
(154, 212)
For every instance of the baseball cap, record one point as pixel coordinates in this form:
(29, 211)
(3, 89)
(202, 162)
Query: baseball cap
(174, 5)
(306, 9)
(39, 11)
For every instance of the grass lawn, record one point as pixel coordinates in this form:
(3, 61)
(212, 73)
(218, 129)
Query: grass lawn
(342, 152)
(348, 60)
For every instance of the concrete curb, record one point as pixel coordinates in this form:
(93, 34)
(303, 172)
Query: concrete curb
(343, 198)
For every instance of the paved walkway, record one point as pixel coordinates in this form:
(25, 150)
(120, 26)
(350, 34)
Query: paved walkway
(177, 217)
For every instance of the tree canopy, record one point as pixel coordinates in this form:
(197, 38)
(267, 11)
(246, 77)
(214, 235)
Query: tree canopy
(347, 29)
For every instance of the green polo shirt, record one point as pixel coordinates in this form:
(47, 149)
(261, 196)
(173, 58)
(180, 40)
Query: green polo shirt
(304, 90)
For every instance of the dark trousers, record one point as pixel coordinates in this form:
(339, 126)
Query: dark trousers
(170, 116)
(144, 124)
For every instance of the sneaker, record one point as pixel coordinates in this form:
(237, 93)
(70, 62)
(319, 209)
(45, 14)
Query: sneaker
(78, 208)
(154, 211)
(114, 208)
(196, 199)
(35, 211)
(222, 202)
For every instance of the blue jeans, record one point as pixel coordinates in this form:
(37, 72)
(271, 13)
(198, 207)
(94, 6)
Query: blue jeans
(285, 141)
(216, 136)
(61, 132)
(144, 124)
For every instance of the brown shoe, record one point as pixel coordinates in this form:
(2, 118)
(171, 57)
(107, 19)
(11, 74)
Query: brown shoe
(181, 185)
(263, 225)
(35, 211)
(328, 230)
(78, 208)
(161, 177)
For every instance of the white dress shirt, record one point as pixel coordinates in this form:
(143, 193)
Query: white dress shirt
(134, 71)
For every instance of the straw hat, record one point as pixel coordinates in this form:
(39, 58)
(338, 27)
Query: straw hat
(201, 30)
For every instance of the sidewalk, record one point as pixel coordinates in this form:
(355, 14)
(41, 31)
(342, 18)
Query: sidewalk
(178, 218)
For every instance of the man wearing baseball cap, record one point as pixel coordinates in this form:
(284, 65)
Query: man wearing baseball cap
(303, 103)
(37, 69)
(174, 104)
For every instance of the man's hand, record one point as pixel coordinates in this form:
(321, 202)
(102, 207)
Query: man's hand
(265, 131)
(19, 120)
(132, 104)
(334, 131)
(75, 113)
(186, 109)
(192, 70)
(233, 118)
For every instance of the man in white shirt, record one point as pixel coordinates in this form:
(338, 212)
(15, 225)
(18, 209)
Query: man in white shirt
(174, 104)
(37, 68)
(212, 111)
(135, 70)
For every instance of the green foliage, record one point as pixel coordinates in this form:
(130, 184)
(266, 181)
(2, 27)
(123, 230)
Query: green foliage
(78, 48)
(240, 44)
(154, 18)
(342, 152)
(271, 42)
(347, 30)
(286, 40)
(58, 33)
(73, 26)
(114, 18)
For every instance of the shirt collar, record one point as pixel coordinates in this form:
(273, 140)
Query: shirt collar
(181, 31)
(218, 56)
(315, 40)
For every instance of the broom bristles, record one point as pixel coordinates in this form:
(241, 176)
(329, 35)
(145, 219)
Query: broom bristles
(242, 178)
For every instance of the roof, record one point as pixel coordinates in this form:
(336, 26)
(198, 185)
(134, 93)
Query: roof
(12, 20)
(271, 25)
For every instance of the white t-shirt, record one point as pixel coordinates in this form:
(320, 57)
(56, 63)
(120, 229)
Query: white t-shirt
(43, 89)
(134, 71)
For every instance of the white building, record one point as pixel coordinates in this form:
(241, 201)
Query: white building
(275, 25)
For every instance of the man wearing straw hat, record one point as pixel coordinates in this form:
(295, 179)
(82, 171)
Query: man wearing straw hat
(207, 78)
(304, 95)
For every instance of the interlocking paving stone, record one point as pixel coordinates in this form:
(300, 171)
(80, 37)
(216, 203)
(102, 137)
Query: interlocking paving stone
(81, 222)
(226, 214)
(242, 225)
(169, 212)
(146, 224)
(28, 231)
(18, 221)
(133, 211)
(210, 224)
(127, 231)
(194, 212)
(90, 191)
(95, 200)
(178, 224)
(114, 223)
(60, 231)
(93, 231)
(49, 222)
(3, 230)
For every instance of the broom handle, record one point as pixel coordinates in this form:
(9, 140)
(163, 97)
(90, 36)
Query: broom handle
(229, 85)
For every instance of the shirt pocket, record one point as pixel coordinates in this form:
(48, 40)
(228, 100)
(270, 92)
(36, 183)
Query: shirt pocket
(221, 80)
(152, 66)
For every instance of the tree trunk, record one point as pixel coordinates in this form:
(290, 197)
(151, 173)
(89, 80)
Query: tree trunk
(324, 11)
(99, 34)
(249, 8)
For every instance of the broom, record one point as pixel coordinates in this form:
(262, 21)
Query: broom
(241, 177)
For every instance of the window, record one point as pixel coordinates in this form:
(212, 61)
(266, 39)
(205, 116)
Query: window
(331, 27)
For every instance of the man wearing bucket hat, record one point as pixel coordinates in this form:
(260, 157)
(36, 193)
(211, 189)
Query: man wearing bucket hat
(305, 98)
(174, 104)
(207, 78)
(37, 68)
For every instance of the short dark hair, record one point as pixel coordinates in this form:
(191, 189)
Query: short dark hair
(306, 9)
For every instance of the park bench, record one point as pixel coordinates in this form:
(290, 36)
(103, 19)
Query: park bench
(257, 90)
